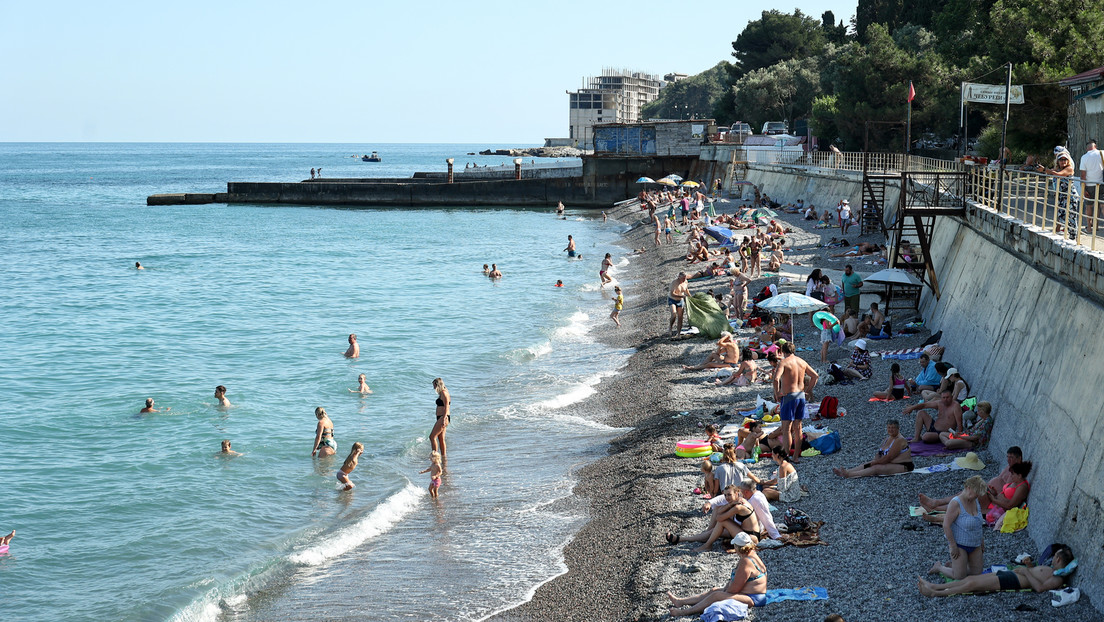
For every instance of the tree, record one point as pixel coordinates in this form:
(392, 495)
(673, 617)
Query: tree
(694, 96)
(894, 14)
(777, 37)
(833, 33)
(783, 91)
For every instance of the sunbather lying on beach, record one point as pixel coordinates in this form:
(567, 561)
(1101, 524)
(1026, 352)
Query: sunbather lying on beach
(1037, 578)
(710, 271)
(747, 585)
(863, 248)
(894, 456)
(724, 356)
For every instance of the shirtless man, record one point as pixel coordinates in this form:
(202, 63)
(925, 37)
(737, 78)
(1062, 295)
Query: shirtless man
(150, 409)
(226, 451)
(789, 391)
(138, 265)
(220, 395)
(559, 208)
(570, 247)
(1037, 578)
(949, 417)
(679, 290)
(495, 272)
(354, 348)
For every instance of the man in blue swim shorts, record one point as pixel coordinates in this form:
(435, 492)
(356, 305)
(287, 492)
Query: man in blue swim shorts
(790, 384)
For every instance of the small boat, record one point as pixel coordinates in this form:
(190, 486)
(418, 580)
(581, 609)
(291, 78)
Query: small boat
(372, 158)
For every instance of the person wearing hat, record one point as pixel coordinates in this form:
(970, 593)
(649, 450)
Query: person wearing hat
(748, 584)
(963, 525)
(845, 216)
(951, 380)
(1092, 176)
(1015, 456)
(1063, 170)
(948, 417)
(859, 367)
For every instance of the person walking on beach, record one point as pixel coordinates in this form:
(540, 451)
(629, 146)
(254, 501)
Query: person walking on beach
(350, 464)
(789, 391)
(220, 395)
(618, 304)
(324, 443)
(658, 227)
(444, 407)
(570, 247)
(607, 263)
(675, 299)
(851, 292)
(354, 347)
(434, 471)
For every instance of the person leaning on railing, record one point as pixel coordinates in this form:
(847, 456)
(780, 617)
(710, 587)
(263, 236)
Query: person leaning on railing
(1092, 177)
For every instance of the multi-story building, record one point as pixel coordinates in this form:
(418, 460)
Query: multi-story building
(616, 96)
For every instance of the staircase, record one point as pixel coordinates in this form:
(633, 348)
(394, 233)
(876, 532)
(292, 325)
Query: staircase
(873, 198)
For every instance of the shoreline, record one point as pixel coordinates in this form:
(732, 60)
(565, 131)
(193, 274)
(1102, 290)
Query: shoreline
(619, 567)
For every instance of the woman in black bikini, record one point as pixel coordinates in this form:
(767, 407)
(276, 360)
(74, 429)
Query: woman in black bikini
(737, 516)
(444, 403)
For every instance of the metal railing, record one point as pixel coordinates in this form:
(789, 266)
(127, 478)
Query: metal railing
(876, 162)
(1046, 202)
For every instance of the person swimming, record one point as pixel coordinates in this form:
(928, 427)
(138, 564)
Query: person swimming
(362, 388)
(138, 265)
(354, 347)
(150, 409)
(220, 395)
(559, 283)
(226, 451)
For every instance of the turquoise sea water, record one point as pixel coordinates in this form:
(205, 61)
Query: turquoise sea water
(135, 517)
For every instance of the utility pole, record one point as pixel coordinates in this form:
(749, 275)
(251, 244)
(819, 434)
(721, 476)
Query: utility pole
(1004, 136)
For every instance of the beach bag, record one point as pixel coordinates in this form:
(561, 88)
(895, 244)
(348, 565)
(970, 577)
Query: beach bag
(829, 407)
(796, 520)
(836, 372)
(1013, 520)
(763, 295)
(828, 443)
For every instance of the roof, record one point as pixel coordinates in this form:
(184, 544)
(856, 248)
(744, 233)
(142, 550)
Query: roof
(1091, 75)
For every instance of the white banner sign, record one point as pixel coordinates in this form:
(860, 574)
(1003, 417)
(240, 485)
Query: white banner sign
(990, 93)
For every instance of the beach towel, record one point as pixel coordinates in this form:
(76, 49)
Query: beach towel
(920, 449)
(705, 314)
(808, 537)
(799, 593)
(937, 468)
(906, 354)
(725, 610)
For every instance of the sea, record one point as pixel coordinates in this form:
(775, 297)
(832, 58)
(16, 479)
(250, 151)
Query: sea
(128, 516)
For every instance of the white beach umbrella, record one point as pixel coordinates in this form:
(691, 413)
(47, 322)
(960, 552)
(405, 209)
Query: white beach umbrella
(893, 276)
(793, 304)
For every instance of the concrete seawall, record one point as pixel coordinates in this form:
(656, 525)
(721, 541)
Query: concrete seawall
(1021, 314)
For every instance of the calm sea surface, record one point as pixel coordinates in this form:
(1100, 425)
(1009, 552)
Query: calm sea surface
(122, 516)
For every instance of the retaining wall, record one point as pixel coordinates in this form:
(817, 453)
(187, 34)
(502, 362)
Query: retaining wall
(824, 188)
(1021, 317)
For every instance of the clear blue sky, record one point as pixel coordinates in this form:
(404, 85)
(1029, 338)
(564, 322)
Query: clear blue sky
(338, 71)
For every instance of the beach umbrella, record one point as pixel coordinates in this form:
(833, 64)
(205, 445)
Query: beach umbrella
(667, 182)
(721, 234)
(690, 184)
(792, 303)
(893, 276)
(645, 180)
(674, 177)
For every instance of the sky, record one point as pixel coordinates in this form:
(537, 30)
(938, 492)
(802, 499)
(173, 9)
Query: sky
(338, 71)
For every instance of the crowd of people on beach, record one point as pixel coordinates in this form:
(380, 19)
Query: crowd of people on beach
(946, 417)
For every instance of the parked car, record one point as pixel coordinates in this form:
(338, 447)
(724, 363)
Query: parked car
(774, 127)
(741, 128)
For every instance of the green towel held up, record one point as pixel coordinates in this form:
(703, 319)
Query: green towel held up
(705, 314)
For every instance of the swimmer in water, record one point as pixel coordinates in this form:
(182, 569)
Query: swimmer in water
(570, 246)
(4, 541)
(560, 208)
(220, 395)
(350, 464)
(150, 409)
(434, 471)
(495, 272)
(363, 386)
(324, 443)
(486, 270)
(559, 283)
(138, 265)
(604, 217)
(226, 451)
(354, 348)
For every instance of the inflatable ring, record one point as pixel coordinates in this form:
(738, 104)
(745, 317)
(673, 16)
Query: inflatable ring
(821, 316)
(697, 453)
(692, 445)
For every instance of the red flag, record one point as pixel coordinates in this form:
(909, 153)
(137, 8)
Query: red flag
(912, 92)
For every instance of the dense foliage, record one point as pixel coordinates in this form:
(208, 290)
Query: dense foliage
(793, 66)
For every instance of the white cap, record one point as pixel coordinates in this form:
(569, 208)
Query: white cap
(741, 540)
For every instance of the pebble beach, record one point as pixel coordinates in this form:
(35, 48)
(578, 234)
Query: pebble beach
(619, 566)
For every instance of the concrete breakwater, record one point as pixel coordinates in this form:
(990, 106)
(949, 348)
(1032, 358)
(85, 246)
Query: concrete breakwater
(1021, 314)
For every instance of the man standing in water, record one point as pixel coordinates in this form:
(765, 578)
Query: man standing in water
(789, 391)
(676, 299)
(354, 348)
(570, 246)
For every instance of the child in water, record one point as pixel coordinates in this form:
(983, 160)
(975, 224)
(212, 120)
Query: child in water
(434, 471)
(618, 303)
(559, 283)
(362, 386)
(350, 464)
(226, 451)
